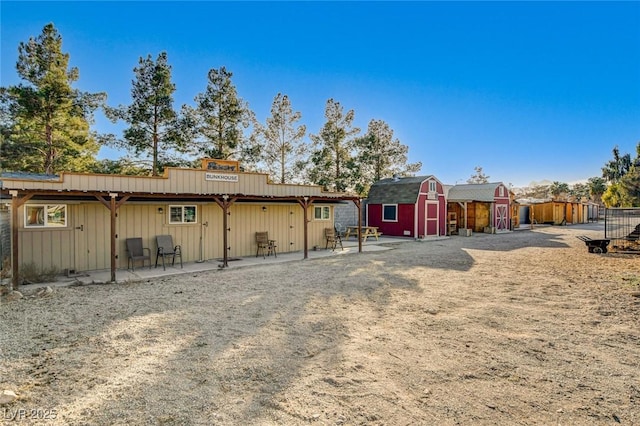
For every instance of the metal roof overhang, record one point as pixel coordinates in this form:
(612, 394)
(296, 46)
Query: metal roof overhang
(48, 195)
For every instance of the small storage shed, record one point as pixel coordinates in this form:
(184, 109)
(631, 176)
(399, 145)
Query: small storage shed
(593, 211)
(407, 206)
(481, 207)
(560, 212)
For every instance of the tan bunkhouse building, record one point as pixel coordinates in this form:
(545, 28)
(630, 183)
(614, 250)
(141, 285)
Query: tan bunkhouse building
(79, 222)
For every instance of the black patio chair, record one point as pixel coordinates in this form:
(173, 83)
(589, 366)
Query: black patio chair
(136, 252)
(167, 249)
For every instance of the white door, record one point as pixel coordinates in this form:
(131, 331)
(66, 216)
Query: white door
(502, 217)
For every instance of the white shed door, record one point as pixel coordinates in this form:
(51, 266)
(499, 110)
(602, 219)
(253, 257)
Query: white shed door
(502, 218)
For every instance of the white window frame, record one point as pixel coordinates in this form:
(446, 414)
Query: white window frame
(321, 213)
(501, 191)
(43, 218)
(432, 186)
(395, 206)
(183, 215)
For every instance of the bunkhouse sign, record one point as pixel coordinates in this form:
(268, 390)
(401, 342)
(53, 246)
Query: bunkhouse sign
(223, 177)
(215, 165)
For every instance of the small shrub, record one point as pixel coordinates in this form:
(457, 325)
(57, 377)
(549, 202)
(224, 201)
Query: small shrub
(30, 273)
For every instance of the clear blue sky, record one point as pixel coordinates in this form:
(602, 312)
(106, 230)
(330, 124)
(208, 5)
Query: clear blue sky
(529, 91)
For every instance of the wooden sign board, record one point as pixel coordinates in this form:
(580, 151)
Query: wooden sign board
(221, 165)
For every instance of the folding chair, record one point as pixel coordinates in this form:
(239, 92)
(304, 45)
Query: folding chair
(167, 249)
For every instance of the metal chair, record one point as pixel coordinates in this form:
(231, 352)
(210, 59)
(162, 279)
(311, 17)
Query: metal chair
(167, 249)
(135, 252)
(265, 246)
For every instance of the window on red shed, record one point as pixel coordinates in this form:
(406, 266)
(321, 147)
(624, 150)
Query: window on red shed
(389, 212)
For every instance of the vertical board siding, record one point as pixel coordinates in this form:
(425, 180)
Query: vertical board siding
(90, 248)
(183, 181)
(45, 247)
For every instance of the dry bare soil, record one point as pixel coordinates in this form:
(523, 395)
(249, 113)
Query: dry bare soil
(519, 328)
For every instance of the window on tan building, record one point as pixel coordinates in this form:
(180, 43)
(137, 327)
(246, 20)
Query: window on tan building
(182, 214)
(45, 215)
(321, 213)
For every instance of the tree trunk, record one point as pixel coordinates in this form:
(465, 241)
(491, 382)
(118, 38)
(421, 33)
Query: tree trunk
(50, 155)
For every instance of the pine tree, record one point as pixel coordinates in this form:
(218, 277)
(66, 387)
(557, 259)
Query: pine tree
(630, 185)
(479, 176)
(283, 151)
(154, 126)
(615, 169)
(332, 148)
(46, 122)
(220, 119)
(379, 156)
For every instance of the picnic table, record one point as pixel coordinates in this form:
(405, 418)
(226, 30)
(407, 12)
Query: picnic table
(366, 231)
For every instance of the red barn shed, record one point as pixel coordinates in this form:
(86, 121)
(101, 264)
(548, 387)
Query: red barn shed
(408, 206)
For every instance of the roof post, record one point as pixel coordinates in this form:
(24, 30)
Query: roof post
(14, 241)
(114, 251)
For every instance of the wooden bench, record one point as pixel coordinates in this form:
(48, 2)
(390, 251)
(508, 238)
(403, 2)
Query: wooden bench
(594, 246)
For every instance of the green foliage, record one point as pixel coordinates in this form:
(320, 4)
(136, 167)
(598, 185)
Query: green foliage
(30, 273)
(122, 166)
(630, 185)
(614, 196)
(597, 186)
(614, 169)
(45, 127)
(45, 122)
(579, 191)
(624, 175)
(479, 176)
(379, 156)
(332, 147)
(220, 119)
(155, 129)
(559, 188)
(284, 153)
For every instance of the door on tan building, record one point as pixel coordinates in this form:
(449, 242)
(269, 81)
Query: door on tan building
(92, 237)
(80, 238)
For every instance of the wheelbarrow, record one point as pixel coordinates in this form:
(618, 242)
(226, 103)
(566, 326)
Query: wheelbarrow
(594, 246)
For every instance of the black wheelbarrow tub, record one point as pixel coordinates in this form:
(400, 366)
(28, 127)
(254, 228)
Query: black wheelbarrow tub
(595, 246)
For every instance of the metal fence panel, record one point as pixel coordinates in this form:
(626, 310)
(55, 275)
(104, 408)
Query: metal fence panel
(622, 227)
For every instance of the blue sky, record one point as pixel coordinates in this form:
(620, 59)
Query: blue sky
(529, 91)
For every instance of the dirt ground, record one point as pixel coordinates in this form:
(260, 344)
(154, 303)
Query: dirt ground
(519, 328)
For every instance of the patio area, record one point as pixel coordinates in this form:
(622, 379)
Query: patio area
(146, 273)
